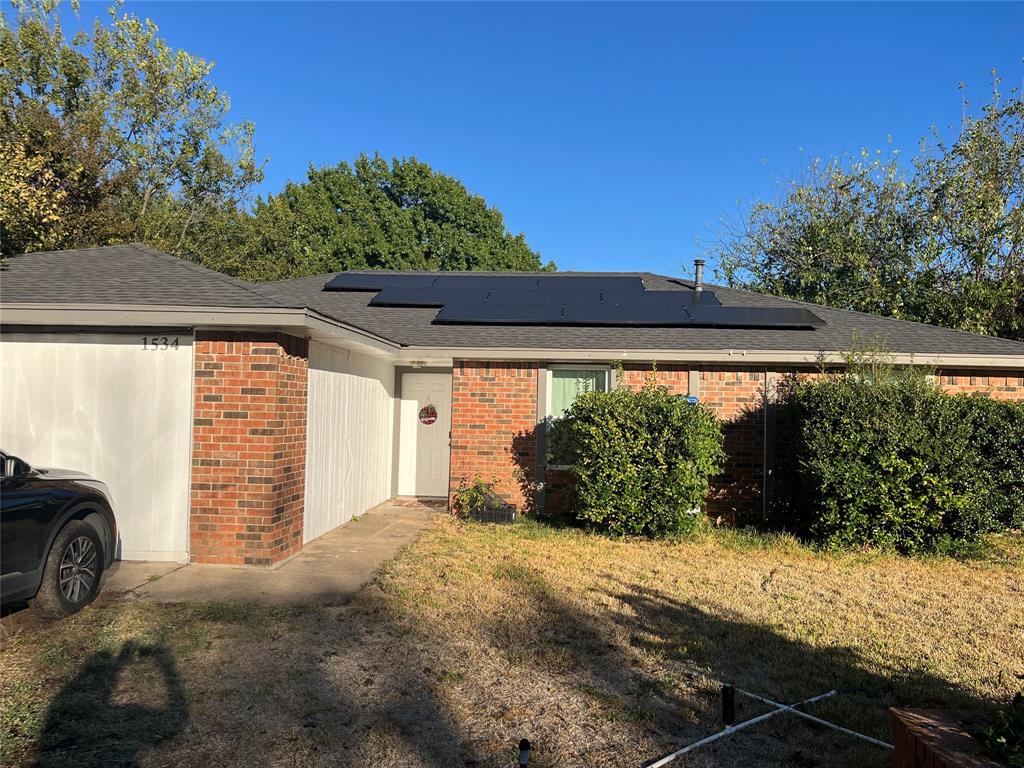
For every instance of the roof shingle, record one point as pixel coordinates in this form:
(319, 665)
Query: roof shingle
(138, 275)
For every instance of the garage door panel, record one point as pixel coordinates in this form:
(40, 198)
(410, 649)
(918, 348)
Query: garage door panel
(103, 404)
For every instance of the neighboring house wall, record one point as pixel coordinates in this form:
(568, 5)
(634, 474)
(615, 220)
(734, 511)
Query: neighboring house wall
(349, 446)
(249, 447)
(495, 425)
(494, 421)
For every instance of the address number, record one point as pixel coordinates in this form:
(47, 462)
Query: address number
(153, 343)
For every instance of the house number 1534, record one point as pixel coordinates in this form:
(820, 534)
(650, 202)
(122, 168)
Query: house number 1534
(151, 343)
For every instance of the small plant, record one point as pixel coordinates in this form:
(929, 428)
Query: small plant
(477, 499)
(1004, 739)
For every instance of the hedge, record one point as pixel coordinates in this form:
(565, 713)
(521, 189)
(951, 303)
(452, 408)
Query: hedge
(886, 459)
(997, 428)
(642, 460)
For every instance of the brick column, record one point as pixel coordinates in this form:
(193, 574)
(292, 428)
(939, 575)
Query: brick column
(494, 422)
(248, 447)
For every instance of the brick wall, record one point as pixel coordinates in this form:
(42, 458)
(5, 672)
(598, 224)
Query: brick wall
(494, 421)
(933, 738)
(999, 385)
(249, 447)
(736, 395)
(494, 425)
(676, 378)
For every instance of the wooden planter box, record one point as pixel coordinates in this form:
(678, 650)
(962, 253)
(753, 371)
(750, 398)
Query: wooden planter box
(933, 738)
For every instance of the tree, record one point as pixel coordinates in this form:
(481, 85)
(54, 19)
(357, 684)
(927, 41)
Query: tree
(112, 136)
(941, 243)
(377, 215)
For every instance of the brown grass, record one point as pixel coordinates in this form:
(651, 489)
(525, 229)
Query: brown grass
(601, 652)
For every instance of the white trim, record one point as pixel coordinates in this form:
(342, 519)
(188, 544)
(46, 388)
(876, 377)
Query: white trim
(308, 323)
(301, 322)
(438, 355)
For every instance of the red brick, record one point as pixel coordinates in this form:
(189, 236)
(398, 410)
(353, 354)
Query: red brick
(248, 458)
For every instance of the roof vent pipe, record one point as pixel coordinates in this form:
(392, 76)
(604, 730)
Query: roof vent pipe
(698, 274)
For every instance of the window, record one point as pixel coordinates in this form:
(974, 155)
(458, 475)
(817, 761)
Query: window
(565, 384)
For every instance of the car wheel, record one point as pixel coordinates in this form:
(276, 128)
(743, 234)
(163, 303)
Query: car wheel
(71, 576)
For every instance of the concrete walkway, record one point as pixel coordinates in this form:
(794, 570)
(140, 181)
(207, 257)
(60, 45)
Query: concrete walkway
(326, 571)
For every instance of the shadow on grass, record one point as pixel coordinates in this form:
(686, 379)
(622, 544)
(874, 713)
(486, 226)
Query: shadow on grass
(660, 661)
(86, 725)
(367, 684)
(269, 688)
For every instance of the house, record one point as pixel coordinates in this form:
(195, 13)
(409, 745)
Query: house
(236, 422)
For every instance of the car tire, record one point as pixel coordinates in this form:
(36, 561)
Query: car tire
(72, 573)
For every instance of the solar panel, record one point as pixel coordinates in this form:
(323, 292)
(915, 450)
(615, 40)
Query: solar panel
(625, 314)
(660, 298)
(486, 313)
(372, 281)
(426, 297)
(754, 317)
(502, 296)
(546, 299)
(487, 282)
(589, 283)
(377, 281)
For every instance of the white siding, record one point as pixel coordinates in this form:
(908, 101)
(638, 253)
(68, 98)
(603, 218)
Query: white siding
(349, 431)
(102, 404)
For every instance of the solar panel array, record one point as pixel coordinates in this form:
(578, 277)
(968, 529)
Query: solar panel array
(561, 300)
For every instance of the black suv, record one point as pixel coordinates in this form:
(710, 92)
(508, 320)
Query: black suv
(57, 535)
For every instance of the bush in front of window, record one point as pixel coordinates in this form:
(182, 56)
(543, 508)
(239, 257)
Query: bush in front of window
(642, 459)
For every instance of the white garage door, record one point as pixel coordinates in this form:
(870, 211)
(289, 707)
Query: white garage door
(349, 429)
(108, 405)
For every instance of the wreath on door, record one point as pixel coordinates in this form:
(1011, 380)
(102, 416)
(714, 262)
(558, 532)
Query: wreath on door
(428, 414)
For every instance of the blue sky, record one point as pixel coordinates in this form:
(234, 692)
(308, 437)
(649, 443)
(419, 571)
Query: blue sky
(615, 136)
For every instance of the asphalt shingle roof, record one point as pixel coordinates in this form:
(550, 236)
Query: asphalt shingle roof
(135, 274)
(844, 329)
(121, 274)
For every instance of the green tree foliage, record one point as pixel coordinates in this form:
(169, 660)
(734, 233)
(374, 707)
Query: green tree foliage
(114, 136)
(884, 458)
(941, 244)
(373, 214)
(642, 460)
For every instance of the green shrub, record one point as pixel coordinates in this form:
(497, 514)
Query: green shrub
(997, 427)
(642, 460)
(1004, 739)
(883, 458)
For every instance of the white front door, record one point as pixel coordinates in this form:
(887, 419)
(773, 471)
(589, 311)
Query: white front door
(426, 424)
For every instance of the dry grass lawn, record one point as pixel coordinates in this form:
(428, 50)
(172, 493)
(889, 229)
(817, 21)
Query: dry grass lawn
(601, 652)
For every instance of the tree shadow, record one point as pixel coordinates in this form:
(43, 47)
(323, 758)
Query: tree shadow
(86, 725)
(663, 659)
(736, 496)
(548, 494)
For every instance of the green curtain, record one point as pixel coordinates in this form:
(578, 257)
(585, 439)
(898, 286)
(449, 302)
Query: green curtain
(567, 384)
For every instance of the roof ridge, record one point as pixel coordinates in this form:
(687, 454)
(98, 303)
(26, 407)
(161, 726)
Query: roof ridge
(206, 271)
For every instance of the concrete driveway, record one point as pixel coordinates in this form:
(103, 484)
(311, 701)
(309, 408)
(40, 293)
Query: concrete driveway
(327, 571)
